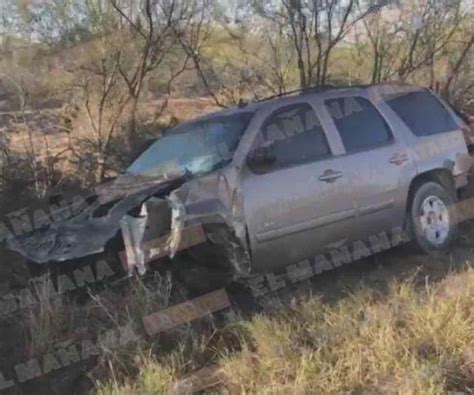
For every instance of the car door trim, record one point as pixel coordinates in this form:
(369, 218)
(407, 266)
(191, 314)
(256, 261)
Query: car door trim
(373, 208)
(301, 227)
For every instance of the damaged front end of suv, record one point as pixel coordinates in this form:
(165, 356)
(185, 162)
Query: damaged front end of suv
(181, 193)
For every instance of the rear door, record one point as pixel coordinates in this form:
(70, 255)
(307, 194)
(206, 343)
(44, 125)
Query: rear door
(302, 201)
(435, 132)
(379, 167)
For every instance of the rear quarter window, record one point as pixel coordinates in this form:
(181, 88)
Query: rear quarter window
(422, 112)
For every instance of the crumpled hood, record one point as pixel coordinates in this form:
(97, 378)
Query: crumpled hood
(88, 232)
(156, 217)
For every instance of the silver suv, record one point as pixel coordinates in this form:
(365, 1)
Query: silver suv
(281, 181)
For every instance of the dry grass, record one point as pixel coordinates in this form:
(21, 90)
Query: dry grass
(411, 340)
(125, 312)
(406, 342)
(49, 317)
(154, 378)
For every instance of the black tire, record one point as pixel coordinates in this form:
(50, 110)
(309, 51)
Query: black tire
(197, 278)
(434, 230)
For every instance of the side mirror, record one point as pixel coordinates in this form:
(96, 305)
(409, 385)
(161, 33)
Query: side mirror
(261, 159)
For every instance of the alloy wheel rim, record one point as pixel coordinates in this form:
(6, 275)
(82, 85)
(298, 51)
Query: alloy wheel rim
(434, 220)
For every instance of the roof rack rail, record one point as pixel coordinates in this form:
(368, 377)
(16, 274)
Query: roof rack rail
(319, 88)
(302, 91)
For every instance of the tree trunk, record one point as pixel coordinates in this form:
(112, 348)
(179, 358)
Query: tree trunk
(131, 136)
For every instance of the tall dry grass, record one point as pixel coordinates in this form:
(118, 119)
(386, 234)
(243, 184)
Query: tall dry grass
(48, 319)
(411, 340)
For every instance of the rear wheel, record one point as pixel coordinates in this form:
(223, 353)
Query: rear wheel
(432, 218)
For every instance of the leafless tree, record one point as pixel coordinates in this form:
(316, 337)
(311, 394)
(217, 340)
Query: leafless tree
(259, 63)
(268, 63)
(456, 65)
(103, 100)
(155, 27)
(314, 29)
(411, 38)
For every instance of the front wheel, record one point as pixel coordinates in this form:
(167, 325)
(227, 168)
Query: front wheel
(432, 215)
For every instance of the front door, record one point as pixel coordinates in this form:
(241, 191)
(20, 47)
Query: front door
(299, 200)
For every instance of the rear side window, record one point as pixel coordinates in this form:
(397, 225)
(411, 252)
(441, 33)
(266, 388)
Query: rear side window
(359, 123)
(295, 136)
(422, 113)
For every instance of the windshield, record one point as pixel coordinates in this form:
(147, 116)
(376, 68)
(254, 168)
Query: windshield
(196, 147)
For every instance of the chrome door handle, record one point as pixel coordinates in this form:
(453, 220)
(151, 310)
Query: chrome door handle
(398, 158)
(330, 175)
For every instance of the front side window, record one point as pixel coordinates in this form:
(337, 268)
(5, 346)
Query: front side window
(359, 123)
(194, 148)
(293, 135)
(422, 113)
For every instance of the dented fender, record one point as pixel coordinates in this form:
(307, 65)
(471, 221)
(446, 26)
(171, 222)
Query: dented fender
(212, 199)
